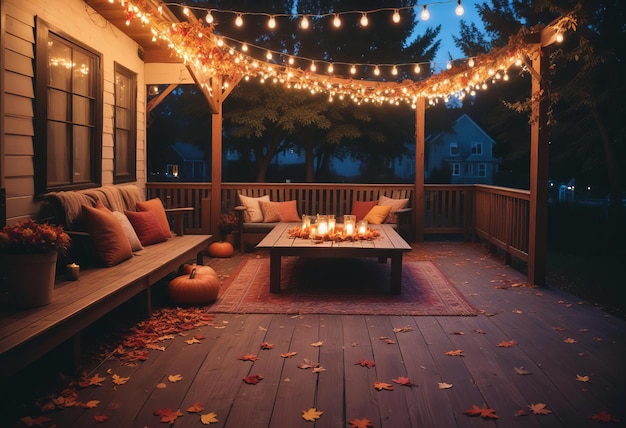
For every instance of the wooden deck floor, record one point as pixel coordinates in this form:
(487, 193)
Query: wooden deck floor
(557, 339)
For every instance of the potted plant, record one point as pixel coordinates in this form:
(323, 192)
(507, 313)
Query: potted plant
(30, 252)
(226, 224)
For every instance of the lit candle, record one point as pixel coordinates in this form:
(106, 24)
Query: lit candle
(72, 271)
(306, 223)
(322, 225)
(331, 224)
(349, 224)
(362, 228)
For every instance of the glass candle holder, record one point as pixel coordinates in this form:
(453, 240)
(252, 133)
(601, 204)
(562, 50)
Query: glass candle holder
(349, 224)
(331, 224)
(72, 271)
(322, 225)
(306, 223)
(362, 228)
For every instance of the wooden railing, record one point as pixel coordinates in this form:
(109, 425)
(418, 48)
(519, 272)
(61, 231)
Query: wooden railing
(501, 217)
(495, 214)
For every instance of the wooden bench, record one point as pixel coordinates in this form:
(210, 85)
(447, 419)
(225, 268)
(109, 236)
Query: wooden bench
(312, 199)
(26, 335)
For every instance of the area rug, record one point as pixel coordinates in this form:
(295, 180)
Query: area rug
(340, 286)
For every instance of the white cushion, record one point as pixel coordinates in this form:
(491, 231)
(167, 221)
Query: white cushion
(395, 204)
(133, 239)
(253, 213)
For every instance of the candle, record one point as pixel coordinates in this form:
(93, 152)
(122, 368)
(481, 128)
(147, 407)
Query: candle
(349, 224)
(362, 228)
(72, 271)
(331, 224)
(322, 225)
(306, 223)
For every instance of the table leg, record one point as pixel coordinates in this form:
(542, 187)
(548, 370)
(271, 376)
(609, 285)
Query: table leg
(275, 260)
(396, 273)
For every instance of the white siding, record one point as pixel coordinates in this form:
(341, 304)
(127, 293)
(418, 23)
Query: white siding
(76, 19)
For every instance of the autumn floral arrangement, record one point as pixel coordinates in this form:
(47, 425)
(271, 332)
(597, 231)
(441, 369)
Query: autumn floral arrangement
(226, 224)
(30, 237)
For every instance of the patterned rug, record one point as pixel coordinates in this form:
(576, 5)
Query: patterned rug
(340, 286)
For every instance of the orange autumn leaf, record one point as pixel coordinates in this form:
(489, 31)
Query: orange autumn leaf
(91, 404)
(195, 408)
(443, 385)
(317, 344)
(116, 379)
(403, 380)
(383, 385)
(168, 416)
(507, 343)
(175, 378)
(95, 380)
(248, 357)
(455, 353)
(604, 416)
(539, 409)
(209, 418)
(101, 418)
(570, 340)
(521, 412)
(311, 415)
(580, 378)
(38, 421)
(365, 363)
(288, 354)
(483, 412)
(266, 345)
(192, 341)
(253, 379)
(360, 423)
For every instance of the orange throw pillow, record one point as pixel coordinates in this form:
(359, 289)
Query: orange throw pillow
(361, 208)
(288, 211)
(147, 227)
(156, 205)
(112, 245)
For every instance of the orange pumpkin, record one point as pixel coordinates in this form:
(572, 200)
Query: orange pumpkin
(194, 289)
(221, 249)
(200, 269)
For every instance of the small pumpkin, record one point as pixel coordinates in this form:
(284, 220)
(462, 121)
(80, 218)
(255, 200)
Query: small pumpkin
(200, 269)
(221, 249)
(194, 289)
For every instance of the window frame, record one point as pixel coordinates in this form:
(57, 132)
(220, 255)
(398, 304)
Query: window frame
(40, 158)
(456, 169)
(131, 152)
(477, 148)
(482, 169)
(454, 149)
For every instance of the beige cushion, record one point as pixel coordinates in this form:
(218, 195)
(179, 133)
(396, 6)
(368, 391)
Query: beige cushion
(377, 214)
(133, 239)
(253, 213)
(395, 204)
(270, 210)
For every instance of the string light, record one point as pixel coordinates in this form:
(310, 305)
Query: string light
(239, 20)
(353, 70)
(337, 21)
(425, 14)
(364, 21)
(396, 16)
(304, 23)
(470, 62)
(394, 70)
(459, 9)
(331, 69)
(559, 37)
(377, 71)
(208, 18)
(313, 67)
(271, 23)
(244, 47)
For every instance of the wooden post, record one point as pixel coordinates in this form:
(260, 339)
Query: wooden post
(419, 218)
(539, 140)
(216, 154)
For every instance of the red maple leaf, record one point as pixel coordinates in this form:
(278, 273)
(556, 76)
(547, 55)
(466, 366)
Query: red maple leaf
(403, 380)
(507, 343)
(604, 416)
(253, 379)
(360, 423)
(248, 357)
(365, 363)
(483, 412)
(266, 345)
(167, 415)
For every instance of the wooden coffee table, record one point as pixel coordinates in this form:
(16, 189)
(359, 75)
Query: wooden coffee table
(389, 245)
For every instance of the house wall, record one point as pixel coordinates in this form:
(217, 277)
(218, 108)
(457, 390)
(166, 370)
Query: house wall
(76, 19)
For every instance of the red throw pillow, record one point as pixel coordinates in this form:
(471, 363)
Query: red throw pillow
(156, 205)
(147, 227)
(361, 208)
(288, 211)
(111, 243)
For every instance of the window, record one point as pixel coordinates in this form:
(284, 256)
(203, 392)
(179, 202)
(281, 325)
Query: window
(68, 117)
(477, 148)
(468, 169)
(454, 149)
(482, 169)
(456, 169)
(125, 124)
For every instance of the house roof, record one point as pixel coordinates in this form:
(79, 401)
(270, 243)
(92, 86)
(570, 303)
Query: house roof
(187, 151)
(463, 121)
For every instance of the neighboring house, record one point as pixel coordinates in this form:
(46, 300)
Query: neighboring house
(186, 162)
(461, 156)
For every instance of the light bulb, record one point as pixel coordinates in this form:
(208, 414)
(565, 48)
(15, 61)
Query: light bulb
(471, 62)
(209, 18)
(331, 69)
(459, 9)
(396, 16)
(239, 20)
(272, 22)
(376, 71)
(220, 42)
(304, 24)
(313, 67)
(364, 21)
(417, 69)
(244, 47)
(290, 60)
(425, 14)
(559, 37)
(449, 65)
(186, 11)
(352, 70)
(268, 55)
(337, 21)
(394, 71)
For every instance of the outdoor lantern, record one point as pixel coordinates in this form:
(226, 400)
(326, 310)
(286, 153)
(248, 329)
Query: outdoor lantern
(349, 224)
(322, 225)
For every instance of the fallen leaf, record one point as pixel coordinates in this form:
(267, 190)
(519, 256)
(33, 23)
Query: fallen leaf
(443, 385)
(175, 378)
(155, 347)
(119, 380)
(266, 345)
(101, 418)
(479, 331)
(318, 369)
(91, 404)
(317, 344)
(192, 341)
(209, 418)
(365, 363)
(569, 340)
(517, 311)
(561, 329)
(387, 340)
(360, 423)
(167, 415)
(311, 415)
(539, 409)
(456, 353)
(253, 379)
(248, 357)
(507, 343)
(604, 416)
(521, 412)
(403, 329)
(161, 385)
(403, 380)
(196, 408)
(39, 421)
(308, 364)
(383, 385)
(460, 333)
(95, 380)
(580, 378)
(483, 412)
(521, 371)
(288, 354)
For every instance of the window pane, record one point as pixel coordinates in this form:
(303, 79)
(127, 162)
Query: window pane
(82, 154)
(122, 119)
(82, 110)
(121, 152)
(122, 91)
(59, 64)
(83, 74)
(58, 105)
(58, 148)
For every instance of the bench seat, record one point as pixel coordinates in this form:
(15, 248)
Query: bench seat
(27, 334)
